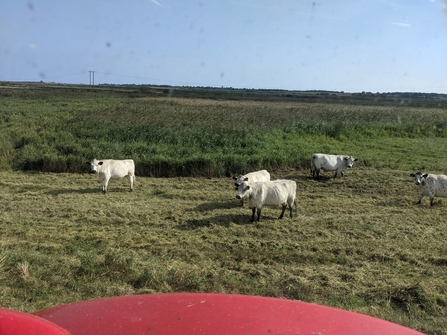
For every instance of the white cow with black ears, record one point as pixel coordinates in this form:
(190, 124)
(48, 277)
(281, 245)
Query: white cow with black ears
(252, 177)
(337, 163)
(107, 169)
(268, 193)
(430, 185)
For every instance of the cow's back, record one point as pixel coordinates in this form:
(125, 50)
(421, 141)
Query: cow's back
(254, 177)
(328, 161)
(120, 168)
(437, 184)
(279, 191)
(257, 176)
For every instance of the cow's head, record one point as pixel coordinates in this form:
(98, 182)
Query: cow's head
(242, 191)
(419, 177)
(239, 181)
(94, 164)
(350, 161)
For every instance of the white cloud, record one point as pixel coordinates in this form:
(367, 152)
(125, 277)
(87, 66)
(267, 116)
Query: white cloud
(156, 2)
(443, 4)
(401, 24)
(33, 46)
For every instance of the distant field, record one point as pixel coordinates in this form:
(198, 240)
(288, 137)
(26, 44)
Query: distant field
(358, 242)
(59, 128)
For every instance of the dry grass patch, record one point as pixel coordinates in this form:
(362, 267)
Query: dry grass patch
(358, 242)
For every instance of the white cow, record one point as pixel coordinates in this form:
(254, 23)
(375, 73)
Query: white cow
(268, 193)
(431, 185)
(337, 163)
(252, 177)
(113, 169)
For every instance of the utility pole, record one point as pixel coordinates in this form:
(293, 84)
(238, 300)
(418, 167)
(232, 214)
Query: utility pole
(91, 78)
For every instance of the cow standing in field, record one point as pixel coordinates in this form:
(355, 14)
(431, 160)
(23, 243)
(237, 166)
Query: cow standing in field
(268, 193)
(107, 169)
(337, 163)
(431, 185)
(251, 177)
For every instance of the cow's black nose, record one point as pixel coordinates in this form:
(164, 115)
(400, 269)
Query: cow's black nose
(238, 197)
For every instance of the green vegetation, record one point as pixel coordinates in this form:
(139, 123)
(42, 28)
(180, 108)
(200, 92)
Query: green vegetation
(358, 242)
(57, 129)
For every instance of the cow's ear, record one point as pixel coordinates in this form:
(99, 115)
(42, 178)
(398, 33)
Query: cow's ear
(355, 159)
(246, 179)
(100, 163)
(88, 163)
(234, 178)
(247, 188)
(425, 175)
(345, 158)
(412, 175)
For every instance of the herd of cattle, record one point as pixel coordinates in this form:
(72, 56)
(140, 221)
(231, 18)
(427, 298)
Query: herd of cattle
(257, 190)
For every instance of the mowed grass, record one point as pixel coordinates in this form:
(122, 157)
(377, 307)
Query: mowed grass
(358, 242)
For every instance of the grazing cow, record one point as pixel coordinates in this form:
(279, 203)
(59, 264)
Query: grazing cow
(337, 163)
(268, 193)
(113, 168)
(430, 185)
(251, 177)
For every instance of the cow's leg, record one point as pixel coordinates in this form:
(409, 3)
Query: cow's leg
(432, 200)
(259, 214)
(317, 173)
(291, 210)
(284, 206)
(105, 182)
(131, 179)
(420, 200)
(253, 214)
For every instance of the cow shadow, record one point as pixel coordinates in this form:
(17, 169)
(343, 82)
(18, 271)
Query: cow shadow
(404, 204)
(212, 205)
(296, 177)
(85, 191)
(226, 220)
(220, 220)
(69, 191)
(308, 177)
(323, 178)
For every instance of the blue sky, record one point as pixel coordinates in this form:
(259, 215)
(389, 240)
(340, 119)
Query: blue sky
(343, 45)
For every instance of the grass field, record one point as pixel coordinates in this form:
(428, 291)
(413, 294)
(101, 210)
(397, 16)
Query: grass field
(359, 242)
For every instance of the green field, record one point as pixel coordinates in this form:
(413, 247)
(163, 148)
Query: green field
(359, 242)
(56, 128)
